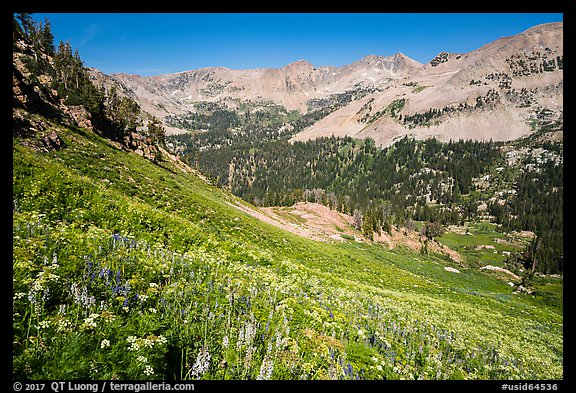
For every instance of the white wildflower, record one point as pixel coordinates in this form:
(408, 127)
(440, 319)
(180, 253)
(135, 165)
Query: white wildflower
(19, 295)
(134, 346)
(90, 321)
(148, 343)
(105, 343)
(148, 370)
(43, 324)
(162, 340)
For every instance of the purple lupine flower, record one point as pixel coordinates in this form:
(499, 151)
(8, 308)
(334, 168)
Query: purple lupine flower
(349, 370)
(202, 363)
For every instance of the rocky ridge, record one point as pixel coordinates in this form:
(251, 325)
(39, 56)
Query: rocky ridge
(494, 92)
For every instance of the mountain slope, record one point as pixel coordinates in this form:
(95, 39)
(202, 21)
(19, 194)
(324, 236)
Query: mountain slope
(134, 267)
(493, 92)
(168, 235)
(291, 86)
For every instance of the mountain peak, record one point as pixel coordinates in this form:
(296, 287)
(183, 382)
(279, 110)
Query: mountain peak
(401, 56)
(552, 26)
(398, 57)
(299, 64)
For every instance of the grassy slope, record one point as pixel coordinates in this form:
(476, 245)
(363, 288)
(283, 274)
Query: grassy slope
(258, 300)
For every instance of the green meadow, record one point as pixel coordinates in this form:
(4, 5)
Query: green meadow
(126, 269)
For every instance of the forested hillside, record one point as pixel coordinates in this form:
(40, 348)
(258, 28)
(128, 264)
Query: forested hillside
(518, 185)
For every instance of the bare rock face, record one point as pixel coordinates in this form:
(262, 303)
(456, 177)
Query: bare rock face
(142, 146)
(133, 141)
(522, 289)
(79, 115)
(17, 93)
(291, 86)
(494, 92)
(52, 141)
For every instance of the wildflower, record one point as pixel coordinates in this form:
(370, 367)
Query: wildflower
(105, 343)
(134, 346)
(81, 297)
(161, 340)
(349, 370)
(240, 339)
(62, 325)
(152, 310)
(148, 343)
(43, 324)
(45, 294)
(108, 316)
(19, 295)
(148, 370)
(90, 322)
(142, 359)
(249, 352)
(267, 366)
(202, 363)
(225, 341)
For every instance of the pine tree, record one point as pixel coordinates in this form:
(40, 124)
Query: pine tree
(47, 39)
(367, 226)
(156, 134)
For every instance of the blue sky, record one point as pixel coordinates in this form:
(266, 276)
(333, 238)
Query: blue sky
(152, 44)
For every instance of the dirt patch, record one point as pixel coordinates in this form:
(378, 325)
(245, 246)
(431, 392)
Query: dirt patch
(318, 222)
(314, 221)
